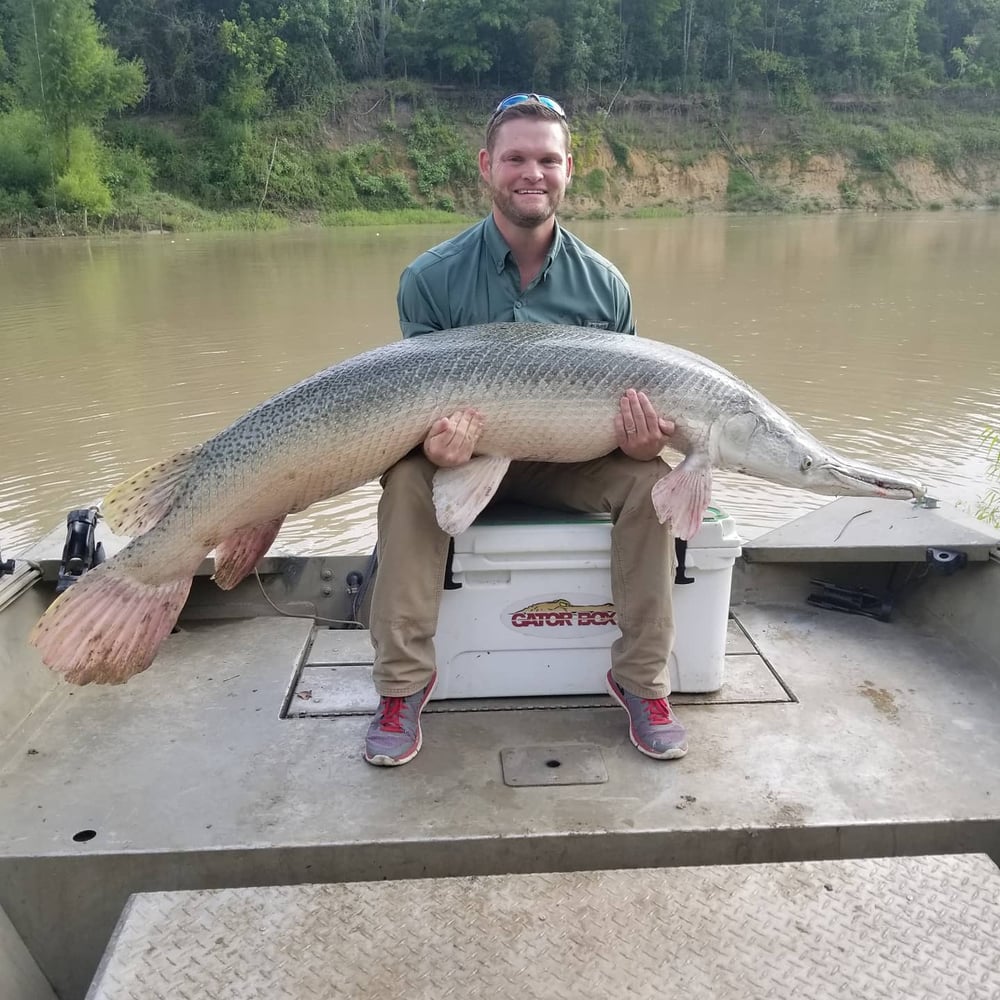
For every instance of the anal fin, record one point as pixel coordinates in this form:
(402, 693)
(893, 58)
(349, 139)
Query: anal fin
(238, 553)
(462, 492)
(134, 506)
(683, 494)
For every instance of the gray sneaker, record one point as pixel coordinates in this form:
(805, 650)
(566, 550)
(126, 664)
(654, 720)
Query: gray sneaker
(652, 726)
(394, 736)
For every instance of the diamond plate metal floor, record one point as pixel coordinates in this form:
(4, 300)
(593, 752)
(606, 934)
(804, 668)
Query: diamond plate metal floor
(919, 928)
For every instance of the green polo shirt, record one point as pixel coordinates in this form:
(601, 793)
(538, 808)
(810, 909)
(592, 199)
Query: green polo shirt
(472, 278)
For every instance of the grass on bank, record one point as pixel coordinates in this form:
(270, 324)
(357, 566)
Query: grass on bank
(399, 217)
(159, 212)
(655, 212)
(988, 509)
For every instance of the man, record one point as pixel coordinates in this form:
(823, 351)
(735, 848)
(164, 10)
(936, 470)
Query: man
(519, 265)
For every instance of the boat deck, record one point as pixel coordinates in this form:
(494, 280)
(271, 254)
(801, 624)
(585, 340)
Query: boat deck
(921, 928)
(189, 776)
(230, 764)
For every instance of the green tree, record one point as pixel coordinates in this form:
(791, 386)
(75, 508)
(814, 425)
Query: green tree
(646, 41)
(307, 70)
(465, 36)
(255, 52)
(589, 43)
(70, 74)
(178, 43)
(543, 44)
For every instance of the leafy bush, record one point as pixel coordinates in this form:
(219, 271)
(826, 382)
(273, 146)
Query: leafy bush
(128, 170)
(619, 150)
(744, 194)
(24, 153)
(595, 183)
(871, 150)
(16, 203)
(439, 153)
(159, 147)
(850, 197)
(81, 185)
(377, 187)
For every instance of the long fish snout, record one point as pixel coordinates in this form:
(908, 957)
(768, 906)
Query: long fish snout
(862, 480)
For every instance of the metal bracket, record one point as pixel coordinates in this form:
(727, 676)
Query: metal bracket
(851, 600)
(946, 561)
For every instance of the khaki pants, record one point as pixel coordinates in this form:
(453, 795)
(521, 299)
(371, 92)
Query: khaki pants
(413, 551)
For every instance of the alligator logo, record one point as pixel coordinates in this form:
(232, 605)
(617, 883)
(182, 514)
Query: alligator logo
(561, 613)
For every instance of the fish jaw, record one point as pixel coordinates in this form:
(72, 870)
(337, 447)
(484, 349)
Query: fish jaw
(831, 475)
(857, 479)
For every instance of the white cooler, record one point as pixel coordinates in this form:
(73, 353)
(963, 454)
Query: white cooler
(534, 615)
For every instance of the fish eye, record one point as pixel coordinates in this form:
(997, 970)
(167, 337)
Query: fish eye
(807, 463)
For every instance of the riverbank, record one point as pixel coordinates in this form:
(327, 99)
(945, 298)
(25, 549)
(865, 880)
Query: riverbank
(387, 156)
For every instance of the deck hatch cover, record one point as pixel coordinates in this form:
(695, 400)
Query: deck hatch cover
(335, 680)
(880, 928)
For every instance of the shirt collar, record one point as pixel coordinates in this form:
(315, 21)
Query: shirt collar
(499, 250)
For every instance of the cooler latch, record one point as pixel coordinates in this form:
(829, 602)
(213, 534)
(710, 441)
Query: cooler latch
(450, 582)
(681, 547)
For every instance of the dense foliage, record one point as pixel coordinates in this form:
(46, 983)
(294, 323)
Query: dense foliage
(197, 52)
(227, 72)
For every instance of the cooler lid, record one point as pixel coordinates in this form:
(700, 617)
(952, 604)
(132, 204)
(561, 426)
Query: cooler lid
(718, 529)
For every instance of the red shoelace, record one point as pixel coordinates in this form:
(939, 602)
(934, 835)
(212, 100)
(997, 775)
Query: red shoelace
(658, 711)
(391, 710)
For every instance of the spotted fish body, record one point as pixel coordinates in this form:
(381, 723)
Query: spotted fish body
(546, 393)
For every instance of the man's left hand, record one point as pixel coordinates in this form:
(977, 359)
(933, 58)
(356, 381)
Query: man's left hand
(642, 434)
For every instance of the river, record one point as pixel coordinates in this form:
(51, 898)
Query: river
(880, 333)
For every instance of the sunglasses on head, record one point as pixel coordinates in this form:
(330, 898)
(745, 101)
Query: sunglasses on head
(515, 99)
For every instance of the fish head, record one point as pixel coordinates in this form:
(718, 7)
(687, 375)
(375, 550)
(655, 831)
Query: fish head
(772, 446)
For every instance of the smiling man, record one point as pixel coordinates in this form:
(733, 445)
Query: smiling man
(520, 265)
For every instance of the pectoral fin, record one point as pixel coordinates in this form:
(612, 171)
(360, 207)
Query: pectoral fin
(461, 493)
(682, 495)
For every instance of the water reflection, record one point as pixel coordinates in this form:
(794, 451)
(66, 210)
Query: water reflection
(880, 334)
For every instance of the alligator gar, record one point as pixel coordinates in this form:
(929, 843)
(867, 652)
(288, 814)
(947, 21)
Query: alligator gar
(546, 392)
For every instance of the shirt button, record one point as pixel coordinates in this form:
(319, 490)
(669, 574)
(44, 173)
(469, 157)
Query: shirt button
(518, 304)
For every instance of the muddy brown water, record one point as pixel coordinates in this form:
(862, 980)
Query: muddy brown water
(881, 334)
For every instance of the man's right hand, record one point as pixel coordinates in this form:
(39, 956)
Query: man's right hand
(451, 441)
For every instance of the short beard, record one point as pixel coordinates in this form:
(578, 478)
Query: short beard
(505, 204)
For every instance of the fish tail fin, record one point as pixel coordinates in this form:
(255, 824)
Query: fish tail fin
(682, 495)
(238, 553)
(134, 506)
(107, 626)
